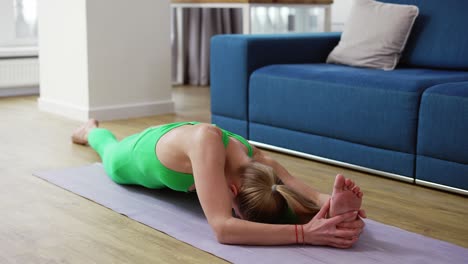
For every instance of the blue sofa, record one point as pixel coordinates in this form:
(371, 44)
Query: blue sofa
(410, 123)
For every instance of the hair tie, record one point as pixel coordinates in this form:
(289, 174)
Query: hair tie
(273, 187)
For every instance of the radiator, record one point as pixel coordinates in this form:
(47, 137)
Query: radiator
(19, 76)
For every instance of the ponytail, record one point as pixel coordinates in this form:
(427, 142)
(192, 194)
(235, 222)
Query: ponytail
(264, 198)
(292, 197)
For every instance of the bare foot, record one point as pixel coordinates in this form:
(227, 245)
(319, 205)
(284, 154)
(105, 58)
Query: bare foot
(80, 135)
(346, 196)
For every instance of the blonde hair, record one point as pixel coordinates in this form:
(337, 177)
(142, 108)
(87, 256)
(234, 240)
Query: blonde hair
(264, 198)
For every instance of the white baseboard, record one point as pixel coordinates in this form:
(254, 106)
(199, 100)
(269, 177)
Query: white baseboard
(103, 113)
(63, 109)
(18, 91)
(132, 110)
(442, 187)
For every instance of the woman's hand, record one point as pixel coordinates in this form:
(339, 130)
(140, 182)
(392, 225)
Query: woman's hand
(331, 232)
(356, 224)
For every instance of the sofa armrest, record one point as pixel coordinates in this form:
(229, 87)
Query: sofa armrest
(235, 57)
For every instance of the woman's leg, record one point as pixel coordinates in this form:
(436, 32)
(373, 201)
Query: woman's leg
(102, 141)
(116, 156)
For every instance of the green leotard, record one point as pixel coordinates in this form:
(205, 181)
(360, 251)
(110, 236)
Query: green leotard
(134, 161)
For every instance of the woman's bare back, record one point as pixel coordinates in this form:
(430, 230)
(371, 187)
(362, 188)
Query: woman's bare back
(173, 148)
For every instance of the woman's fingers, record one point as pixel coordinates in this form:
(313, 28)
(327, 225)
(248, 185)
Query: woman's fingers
(328, 231)
(343, 217)
(342, 243)
(323, 211)
(348, 233)
(350, 225)
(358, 223)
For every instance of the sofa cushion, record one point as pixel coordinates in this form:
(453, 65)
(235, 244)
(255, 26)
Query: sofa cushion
(439, 38)
(442, 172)
(396, 162)
(364, 106)
(443, 122)
(375, 35)
(443, 135)
(235, 57)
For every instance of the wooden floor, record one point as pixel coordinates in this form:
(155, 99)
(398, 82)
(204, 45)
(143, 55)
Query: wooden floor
(42, 223)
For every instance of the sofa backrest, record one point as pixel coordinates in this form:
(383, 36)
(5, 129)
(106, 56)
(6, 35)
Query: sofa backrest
(439, 38)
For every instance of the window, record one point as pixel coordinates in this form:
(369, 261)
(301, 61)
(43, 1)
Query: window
(18, 23)
(287, 19)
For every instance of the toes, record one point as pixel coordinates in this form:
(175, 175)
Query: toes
(339, 182)
(92, 123)
(351, 184)
(356, 189)
(360, 194)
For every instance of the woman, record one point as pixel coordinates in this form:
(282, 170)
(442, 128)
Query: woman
(230, 174)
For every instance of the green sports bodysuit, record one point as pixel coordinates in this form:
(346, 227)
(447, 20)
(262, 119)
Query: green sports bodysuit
(134, 161)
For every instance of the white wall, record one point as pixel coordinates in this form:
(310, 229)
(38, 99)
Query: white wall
(63, 53)
(340, 12)
(129, 47)
(107, 59)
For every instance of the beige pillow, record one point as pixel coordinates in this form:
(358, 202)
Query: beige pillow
(374, 35)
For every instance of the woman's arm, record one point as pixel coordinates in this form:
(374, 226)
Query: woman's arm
(207, 155)
(319, 231)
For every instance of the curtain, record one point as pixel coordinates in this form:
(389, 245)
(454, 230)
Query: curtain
(199, 25)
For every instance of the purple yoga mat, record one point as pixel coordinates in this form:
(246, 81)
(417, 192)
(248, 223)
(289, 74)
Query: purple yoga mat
(379, 243)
